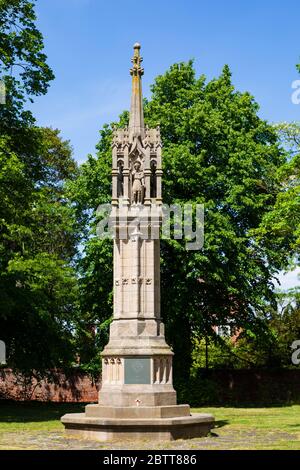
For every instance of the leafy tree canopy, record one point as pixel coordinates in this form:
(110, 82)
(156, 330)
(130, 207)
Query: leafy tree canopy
(280, 227)
(218, 152)
(37, 243)
(23, 66)
(38, 237)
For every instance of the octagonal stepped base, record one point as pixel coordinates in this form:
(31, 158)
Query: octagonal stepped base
(135, 412)
(167, 428)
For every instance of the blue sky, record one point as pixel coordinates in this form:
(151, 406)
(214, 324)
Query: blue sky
(89, 46)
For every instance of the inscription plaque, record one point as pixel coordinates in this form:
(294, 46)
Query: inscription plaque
(137, 370)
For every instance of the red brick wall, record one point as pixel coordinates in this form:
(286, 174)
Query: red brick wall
(218, 387)
(75, 387)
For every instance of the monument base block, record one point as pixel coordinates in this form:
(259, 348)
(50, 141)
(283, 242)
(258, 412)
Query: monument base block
(159, 429)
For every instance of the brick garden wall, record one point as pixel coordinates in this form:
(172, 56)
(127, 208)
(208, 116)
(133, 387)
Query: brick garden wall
(74, 387)
(218, 387)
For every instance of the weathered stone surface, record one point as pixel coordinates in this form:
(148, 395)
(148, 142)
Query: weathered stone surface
(129, 395)
(165, 429)
(135, 412)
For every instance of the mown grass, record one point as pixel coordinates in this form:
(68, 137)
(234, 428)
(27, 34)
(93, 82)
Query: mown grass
(282, 418)
(34, 416)
(238, 428)
(268, 421)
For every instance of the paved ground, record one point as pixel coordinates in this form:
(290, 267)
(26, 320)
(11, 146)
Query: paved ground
(220, 439)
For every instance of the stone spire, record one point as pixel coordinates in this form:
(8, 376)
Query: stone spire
(136, 119)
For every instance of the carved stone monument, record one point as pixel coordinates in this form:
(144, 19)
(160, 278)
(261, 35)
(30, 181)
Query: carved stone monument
(137, 398)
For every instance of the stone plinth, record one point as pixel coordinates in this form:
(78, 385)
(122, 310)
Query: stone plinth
(137, 412)
(158, 429)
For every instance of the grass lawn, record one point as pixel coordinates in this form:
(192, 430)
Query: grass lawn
(37, 426)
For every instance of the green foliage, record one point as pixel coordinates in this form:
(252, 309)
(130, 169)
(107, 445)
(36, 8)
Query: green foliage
(23, 66)
(245, 349)
(218, 152)
(56, 274)
(285, 324)
(38, 285)
(219, 354)
(279, 231)
(239, 387)
(38, 227)
(91, 188)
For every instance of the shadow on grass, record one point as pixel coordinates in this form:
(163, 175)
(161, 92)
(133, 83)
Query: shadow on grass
(221, 423)
(24, 412)
(246, 405)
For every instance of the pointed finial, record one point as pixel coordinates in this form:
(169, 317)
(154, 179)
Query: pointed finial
(136, 118)
(136, 61)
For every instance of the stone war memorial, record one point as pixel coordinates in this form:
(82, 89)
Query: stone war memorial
(137, 398)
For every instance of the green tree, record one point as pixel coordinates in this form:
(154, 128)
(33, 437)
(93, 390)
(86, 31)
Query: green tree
(218, 152)
(23, 66)
(91, 188)
(285, 324)
(38, 241)
(280, 227)
(38, 234)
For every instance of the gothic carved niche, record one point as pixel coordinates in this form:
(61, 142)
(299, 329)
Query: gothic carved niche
(137, 183)
(153, 179)
(120, 179)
